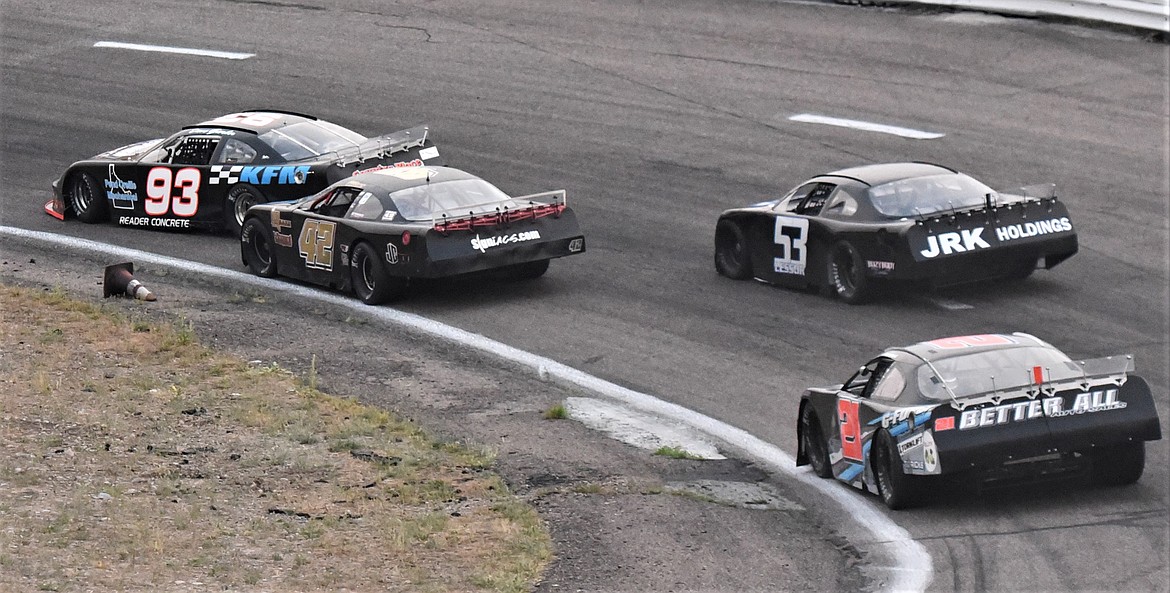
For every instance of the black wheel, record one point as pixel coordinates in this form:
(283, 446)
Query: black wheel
(239, 199)
(1119, 465)
(732, 258)
(847, 278)
(813, 441)
(87, 202)
(898, 490)
(528, 270)
(368, 276)
(256, 248)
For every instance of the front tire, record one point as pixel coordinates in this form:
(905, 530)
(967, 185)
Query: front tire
(847, 274)
(87, 202)
(816, 449)
(898, 490)
(1119, 465)
(239, 199)
(369, 279)
(732, 256)
(256, 248)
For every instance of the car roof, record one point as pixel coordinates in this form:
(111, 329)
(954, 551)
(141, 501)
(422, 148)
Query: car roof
(941, 348)
(392, 179)
(886, 172)
(256, 121)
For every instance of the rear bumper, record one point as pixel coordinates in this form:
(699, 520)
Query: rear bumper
(497, 259)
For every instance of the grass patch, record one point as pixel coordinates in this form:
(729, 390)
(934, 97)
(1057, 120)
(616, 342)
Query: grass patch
(675, 453)
(557, 412)
(135, 458)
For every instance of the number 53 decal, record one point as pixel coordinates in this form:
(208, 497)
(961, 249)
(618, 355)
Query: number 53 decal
(791, 234)
(316, 244)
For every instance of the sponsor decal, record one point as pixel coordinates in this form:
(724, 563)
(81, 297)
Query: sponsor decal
(121, 194)
(576, 245)
(909, 443)
(282, 239)
(1032, 229)
(414, 163)
(949, 243)
(428, 153)
(389, 215)
(173, 223)
(391, 254)
(278, 174)
(278, 222)
(881, 266)
(929, 453)
(1088, 402)
(941, 424)
(484, 244)
(916, 416)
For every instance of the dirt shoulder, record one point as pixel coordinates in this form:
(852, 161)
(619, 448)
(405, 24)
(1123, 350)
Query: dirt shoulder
(614, 523)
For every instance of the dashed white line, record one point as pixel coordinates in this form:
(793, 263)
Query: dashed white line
(211, 53)
(909, 567)
(809, 118)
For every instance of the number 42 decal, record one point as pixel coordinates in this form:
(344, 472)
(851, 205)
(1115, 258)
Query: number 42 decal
(316, 244)
(791, 234)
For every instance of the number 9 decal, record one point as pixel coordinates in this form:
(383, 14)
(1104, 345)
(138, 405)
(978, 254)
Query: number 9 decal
(850, 421)
(161, 197)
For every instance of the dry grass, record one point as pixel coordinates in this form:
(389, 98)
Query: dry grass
(135, 459)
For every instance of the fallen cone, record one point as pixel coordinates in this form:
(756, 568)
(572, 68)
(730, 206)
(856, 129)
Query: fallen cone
(120, 280)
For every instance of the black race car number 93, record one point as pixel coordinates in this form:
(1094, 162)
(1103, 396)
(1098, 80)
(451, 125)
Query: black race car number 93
(791, 234)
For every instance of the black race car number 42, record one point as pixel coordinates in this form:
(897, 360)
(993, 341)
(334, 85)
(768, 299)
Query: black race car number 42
(316, 244)
(791, 255)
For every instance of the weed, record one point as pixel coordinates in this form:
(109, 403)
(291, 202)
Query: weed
(676, 453)
(557, 412)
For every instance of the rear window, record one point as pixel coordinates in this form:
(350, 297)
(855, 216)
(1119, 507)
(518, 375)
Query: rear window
(310, 139)
(458, 197)
(921, 196)
(991, 370)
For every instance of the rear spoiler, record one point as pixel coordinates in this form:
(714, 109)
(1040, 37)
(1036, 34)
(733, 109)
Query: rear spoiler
(1110, 370)
(380, 147)
(538, 206)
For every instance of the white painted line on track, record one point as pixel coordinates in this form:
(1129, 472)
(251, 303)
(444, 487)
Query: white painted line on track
(211, 53)
(949, 305)
(809, 118)
(910, 567)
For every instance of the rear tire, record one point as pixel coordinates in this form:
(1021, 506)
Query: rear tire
(732, 256)
(898, 490)
(528, 270)
(847, 274)
(239, 199)
(815, 447)
(84, 197)
(1119, 465)
(369, 279)
(256, 247)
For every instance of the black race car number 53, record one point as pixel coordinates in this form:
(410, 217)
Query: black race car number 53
(791, 234)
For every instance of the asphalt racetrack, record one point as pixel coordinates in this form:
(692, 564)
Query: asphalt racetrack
(656, 116)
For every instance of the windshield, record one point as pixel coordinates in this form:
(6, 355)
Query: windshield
(309, 139)
(920, 196)
(994, 370)
(458, 197)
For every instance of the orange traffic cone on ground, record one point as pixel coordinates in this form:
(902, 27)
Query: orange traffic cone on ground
(120, 280)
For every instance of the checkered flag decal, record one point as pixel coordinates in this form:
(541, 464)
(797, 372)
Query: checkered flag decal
(228, 175)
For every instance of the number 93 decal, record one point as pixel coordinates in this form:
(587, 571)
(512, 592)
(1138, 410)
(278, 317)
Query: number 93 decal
(791, 255)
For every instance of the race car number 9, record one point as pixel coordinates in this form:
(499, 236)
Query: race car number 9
(850, 421)
(790, 236)
(172, 191)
